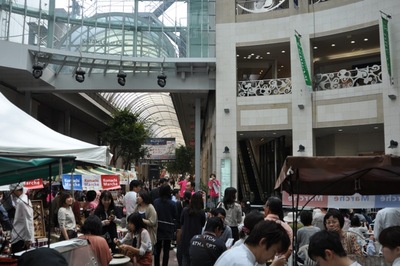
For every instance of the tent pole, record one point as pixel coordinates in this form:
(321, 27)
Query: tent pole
(50, 209)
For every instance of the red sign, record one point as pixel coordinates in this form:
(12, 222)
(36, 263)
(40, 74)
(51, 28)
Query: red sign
(305, 200)
(34, 184)
(110, 182)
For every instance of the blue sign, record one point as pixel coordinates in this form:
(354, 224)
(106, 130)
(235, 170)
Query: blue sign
(391, 200)
(66, 181)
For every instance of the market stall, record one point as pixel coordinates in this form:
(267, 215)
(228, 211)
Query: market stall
(21, 134)
(344, 178)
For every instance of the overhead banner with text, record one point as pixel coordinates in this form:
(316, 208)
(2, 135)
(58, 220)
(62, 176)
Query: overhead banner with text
(161, 148)
(91, 182)
(345, 202)
(303, 63)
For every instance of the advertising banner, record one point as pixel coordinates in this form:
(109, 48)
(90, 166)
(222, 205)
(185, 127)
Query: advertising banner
(161, 148)
(386, 41)
(110, 182)
(91, 182)
(303, 63)
(226, 175)
(345, 201)
(77, 182)
(34, 184)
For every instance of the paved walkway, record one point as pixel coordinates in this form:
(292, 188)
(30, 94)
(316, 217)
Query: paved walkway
(172, 258)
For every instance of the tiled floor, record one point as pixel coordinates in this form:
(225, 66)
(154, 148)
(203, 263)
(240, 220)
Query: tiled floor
(172, 258)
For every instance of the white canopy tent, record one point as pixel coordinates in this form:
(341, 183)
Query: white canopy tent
(20, 133)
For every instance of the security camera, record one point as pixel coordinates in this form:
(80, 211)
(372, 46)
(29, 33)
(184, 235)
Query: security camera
(161, 80)
(80, 75)
(37, 71)
(121, 78)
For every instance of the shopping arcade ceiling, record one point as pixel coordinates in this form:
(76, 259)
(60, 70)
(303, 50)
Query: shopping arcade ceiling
(187, 80)
(89, 21)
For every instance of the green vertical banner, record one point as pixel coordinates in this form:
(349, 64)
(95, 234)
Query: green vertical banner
(387, 46)
(303, 62)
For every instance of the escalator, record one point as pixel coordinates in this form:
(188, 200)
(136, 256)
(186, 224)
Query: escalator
(249, 180)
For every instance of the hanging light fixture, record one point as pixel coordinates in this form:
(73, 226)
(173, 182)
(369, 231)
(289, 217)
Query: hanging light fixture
(80, 75)
(121, 78)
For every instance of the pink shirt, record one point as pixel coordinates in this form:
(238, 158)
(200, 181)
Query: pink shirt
(183, 187)
(211, 184)
(288, 229)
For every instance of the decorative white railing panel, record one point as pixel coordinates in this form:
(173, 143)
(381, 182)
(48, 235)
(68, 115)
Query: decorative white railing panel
(348, 78)
(264, 87)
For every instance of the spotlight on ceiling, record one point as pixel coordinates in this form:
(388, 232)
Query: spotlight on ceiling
(37, 71)
(80, 75)
(393, 144)
(121, 78)
(161, 80)
(226, 150)
(301, 148)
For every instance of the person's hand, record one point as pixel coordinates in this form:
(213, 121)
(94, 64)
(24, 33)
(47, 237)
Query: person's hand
(117, 242)
(123, 248)
(27, 244)
(279, 261)
(106, 222)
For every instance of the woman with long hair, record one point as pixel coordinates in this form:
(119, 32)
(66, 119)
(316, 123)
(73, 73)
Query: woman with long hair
(105, 210)
(167, 215)
(140, 249)
(233, 211)
(148, 213)
(66, 217)
(192, 221)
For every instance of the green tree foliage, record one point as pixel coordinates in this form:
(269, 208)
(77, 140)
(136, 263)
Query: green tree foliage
(126, 134)
(184, 162)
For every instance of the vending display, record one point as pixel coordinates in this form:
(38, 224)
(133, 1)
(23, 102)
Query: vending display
(38, 219)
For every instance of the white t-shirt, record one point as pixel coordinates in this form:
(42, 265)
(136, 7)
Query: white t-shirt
(130, 202)
(396, 262)
(237, 256)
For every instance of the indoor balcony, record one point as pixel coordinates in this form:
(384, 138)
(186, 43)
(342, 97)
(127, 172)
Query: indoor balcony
(348, 78)
(264, 87)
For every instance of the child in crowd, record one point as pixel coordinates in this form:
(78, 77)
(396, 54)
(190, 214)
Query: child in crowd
(140, 247)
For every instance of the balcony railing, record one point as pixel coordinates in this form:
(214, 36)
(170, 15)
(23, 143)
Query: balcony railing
(264, 87)
(348, 78)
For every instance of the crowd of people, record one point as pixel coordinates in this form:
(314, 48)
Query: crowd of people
(206, 230)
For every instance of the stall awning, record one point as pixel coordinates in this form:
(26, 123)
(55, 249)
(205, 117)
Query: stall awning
(14, 170)
(89, 178)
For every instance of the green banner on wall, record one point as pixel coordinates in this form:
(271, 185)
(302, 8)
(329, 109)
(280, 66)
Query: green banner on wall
(387, 46)
(303, 61)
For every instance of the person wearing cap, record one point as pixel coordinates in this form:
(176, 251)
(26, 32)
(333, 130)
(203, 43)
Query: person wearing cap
(290, 219)
(22, 234)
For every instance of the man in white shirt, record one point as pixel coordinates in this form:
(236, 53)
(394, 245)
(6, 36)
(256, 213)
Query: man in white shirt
(385, 218)
(130, 197)
(22, 234)
(266, 240)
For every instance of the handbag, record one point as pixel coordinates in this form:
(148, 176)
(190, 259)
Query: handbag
(107, 237)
